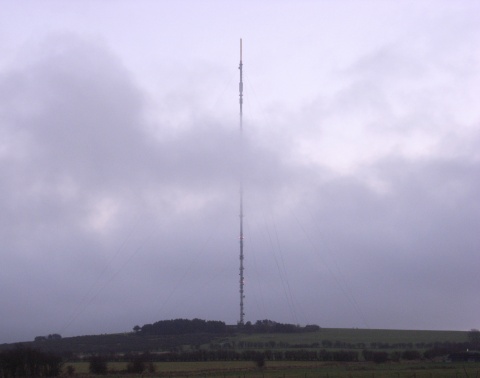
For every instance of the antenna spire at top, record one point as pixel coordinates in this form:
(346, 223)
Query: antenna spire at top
(240, 49)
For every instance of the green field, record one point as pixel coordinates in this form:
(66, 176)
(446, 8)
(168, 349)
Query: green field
(299, 370)
(355, 336)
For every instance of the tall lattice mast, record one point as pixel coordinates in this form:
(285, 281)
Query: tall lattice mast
(240, 87)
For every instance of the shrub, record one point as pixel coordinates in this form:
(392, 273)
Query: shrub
(70, 370)
(136, 365)
(98, 365)
(411, 355)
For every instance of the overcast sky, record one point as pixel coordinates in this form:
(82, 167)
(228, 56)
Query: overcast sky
(120, 160)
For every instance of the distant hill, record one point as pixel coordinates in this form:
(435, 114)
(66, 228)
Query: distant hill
(164, 335)
(183, 334)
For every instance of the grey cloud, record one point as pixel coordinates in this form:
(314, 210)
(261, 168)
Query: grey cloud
(102, 216)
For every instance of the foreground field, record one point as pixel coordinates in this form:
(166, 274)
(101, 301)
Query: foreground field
(284, 369)
(323, 353)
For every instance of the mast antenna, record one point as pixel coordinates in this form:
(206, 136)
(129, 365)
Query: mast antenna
(240, 87)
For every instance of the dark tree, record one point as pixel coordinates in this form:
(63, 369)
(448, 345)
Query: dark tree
(260, 360)
(474, 338)
(28, 362)
(98, 365)
(311, 328)
(137, 364)
(411, 355)
(53, 365)
(377, 357)
(70, 370)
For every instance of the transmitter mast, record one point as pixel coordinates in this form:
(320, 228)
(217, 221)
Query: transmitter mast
(240, 87)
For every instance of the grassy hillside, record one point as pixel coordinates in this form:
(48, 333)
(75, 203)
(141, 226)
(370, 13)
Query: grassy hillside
(329, 338)
(357, 336)
(115, 343)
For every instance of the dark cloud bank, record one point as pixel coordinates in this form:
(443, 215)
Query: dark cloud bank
(109, 220)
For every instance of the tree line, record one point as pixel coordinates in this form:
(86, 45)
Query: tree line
(27, 362)
(270, 326)
(53, 336)
(137, 362)
(182, 327)
(186, 326)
